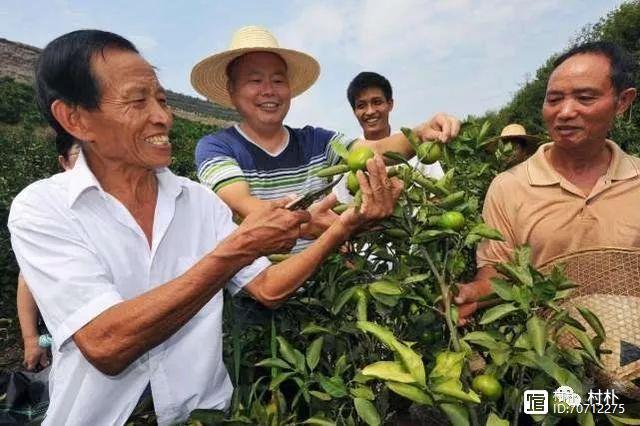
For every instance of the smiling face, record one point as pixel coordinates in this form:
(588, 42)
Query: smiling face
(131, 125)
(372, 110)
(581, 103)
(260, 89)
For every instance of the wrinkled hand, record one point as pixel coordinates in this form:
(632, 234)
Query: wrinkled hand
(467, 299)
(441, 127)
(273, 229)
(34, 355)
(379, 196)
(322, 217)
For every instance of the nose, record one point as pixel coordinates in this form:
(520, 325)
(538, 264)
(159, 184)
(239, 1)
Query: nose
(567, 109)
(161, 113)
(370, 109)
(267, 88)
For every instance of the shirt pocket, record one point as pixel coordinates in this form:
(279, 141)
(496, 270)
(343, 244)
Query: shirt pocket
(215, 303)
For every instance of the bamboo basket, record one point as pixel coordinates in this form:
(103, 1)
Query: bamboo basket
(609, 285)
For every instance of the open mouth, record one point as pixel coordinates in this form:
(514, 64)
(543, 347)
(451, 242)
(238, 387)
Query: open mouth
(158, 140)
(269, 106)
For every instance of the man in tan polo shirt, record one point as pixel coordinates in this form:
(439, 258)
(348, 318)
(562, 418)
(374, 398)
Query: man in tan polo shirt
(580, 191)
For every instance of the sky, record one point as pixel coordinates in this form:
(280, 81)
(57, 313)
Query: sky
(457, 56)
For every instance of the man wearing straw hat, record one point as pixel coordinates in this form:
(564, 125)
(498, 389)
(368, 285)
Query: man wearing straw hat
(578, 192)
(261, 159)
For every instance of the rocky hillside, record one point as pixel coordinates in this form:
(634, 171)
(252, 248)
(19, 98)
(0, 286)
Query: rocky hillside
(18, 61)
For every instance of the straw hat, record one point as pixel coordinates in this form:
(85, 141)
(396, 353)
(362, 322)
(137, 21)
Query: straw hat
(516, 132)
(209, 76)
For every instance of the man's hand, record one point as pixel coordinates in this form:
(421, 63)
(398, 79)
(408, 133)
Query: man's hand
(469, 294)
(321, 218)
(272, 229)
(379, 196)
(441, 127)
(34, 355)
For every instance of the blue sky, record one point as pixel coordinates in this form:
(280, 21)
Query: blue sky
(459, 56)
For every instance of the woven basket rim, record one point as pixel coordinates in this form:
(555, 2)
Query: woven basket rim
(591, 251)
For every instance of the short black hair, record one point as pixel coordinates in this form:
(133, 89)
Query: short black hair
(623, 66)
(64, 72)
(365, 80)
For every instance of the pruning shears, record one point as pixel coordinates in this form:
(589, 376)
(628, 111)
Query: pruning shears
(304, 201)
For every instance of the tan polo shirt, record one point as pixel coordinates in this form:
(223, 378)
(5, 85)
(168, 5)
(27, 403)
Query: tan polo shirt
(533, 204)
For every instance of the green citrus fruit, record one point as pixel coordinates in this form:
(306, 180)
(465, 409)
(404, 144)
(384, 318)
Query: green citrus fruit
(452, 220)
(487, 386)
(352, 183)
(429, 152)
(357, 159)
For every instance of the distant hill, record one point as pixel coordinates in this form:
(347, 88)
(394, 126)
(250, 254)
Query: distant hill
(18, 61)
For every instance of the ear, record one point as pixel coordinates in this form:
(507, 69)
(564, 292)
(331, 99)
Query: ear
(625, 99)
(390, 105)
(70, 119)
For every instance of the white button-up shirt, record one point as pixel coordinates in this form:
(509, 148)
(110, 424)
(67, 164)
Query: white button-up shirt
(82, 252)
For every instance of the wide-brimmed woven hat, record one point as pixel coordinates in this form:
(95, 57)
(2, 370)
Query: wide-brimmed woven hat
(516, 132)
(209, 76)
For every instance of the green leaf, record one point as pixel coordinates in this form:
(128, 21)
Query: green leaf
(340, 149)
(561, 375)
(207, 416)
(623, 420)
(343, 298)
(314, 329)
(341, 365)
(497, 312)
(276, 381)
(483, 132)
(412, 362)
(381, 333)
(448, 365)
(361, 391)
(585, 342)
(518, 273)
(593, 321)
(387, 288)
(586, 419)
(416, 278)
(472, 239)
(334, 386)
(481, 338)
(502, 288)
(410, 392)
(290, 354)
(320, 395)
(485, 231)
(388, 370)
(453, 388)
(494, 420)
(386, 300)
(537, 331)
(395, 157)
(458, 415)
(318, 421)
(367, 411)
(313, 353)
(273, 362)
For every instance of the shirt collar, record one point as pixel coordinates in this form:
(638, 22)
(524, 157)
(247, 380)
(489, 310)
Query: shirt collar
(541, 173)
(82, 178)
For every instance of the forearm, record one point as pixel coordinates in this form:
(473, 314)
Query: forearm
(275, 284)
(124, 332)
(483, 279)
(27, 310)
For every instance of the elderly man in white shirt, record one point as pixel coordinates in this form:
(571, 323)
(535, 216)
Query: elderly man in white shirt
(126, 260)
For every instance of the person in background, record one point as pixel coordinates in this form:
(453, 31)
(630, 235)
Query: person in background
(581, 190)
(35, 355)
(371, 98)
(261, 159)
